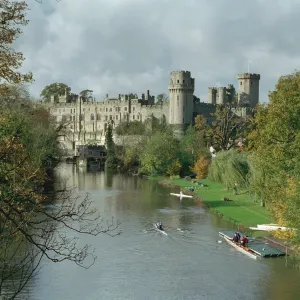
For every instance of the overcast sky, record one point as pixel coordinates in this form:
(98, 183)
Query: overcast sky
(121, 46)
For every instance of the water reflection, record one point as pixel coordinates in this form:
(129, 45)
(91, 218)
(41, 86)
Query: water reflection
(189, 263)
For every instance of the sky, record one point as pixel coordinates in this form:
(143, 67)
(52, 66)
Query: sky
(122, 46)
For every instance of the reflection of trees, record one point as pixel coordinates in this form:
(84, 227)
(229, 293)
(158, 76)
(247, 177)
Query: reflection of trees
(283, 282)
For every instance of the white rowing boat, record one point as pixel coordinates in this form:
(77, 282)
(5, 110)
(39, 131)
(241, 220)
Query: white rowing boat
(161, 231)
(241, 248)
(181, 195)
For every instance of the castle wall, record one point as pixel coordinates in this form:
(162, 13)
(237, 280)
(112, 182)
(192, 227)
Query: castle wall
(87, 121)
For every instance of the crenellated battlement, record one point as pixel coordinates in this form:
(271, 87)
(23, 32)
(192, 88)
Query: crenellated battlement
(249, 76)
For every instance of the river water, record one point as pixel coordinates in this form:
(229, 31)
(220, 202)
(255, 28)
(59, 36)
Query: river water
(189, 263)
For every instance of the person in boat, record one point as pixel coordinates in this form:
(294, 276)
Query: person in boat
(244, 241)
(236, 238)
(159, 226)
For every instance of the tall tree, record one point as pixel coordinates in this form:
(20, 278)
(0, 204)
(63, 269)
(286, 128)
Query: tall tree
(227, 128)
(275, 146)
(111, 159)
(54, 89)
(12, 19)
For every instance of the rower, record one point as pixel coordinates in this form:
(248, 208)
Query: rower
(159, 226)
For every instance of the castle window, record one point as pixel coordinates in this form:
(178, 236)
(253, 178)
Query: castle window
(110, 109)
(177, 97)
(116, 117)
(125, 108)
(105, 118)
(73, 118)
(177, 81)
(98, 117)
(133, 109)
(110, 117)
(106, 109)
(92, 117)
(133, 117)
(183, 80)
(241, 83)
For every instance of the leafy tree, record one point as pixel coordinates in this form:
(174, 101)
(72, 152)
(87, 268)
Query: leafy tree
(12, 19)
(226, 129)
(275, 146)
(54, 89)
(130, 128)
(160, 151)
(111, 160)
(86, 94)
(201, 167)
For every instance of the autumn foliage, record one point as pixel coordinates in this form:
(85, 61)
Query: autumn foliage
(201, 167)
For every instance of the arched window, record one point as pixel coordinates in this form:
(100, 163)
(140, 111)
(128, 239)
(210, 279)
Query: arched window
(92, 117)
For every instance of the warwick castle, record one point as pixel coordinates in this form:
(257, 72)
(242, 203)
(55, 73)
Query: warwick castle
(88, 119)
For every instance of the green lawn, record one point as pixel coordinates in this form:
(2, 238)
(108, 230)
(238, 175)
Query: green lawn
(241, 210)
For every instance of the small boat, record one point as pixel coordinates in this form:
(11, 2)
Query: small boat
(161, 231)
(181, 195)
(241, 248)
(270, 227)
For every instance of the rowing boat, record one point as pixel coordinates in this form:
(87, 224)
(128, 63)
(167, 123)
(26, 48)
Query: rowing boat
(241, 248)
(161, 231)
(181, 195)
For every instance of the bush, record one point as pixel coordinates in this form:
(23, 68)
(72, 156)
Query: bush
(201, 167)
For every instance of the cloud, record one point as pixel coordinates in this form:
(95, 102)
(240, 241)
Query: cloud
(120, 46)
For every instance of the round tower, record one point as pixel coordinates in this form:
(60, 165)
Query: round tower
(248, 89)
(212, 95)
(181, 92)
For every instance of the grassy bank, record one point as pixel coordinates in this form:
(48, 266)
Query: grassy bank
(241, 209)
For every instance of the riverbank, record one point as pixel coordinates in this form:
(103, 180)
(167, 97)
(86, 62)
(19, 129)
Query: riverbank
(240, 209)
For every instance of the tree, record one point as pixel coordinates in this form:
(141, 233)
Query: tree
(54, 89)
(201, 167)
(86, 94)
(111, 158)
(12, 18)
(274, 143)
(160, 152)
(227, 128)
(28, 231)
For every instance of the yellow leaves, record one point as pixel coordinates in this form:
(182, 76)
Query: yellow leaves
(201, 167)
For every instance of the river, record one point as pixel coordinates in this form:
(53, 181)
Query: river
(189, 263)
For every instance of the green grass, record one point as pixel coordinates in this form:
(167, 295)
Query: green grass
(242, 210)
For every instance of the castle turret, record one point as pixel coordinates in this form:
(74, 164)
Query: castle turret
(212, 95)
(181, 91)
(221, 98)
(248, 89)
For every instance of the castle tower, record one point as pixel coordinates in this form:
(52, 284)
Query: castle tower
(221, 96)
(212, 95)
(248, 89)
(181, 92)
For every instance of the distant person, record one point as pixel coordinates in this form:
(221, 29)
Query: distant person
(235, 189)
(244, 241)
